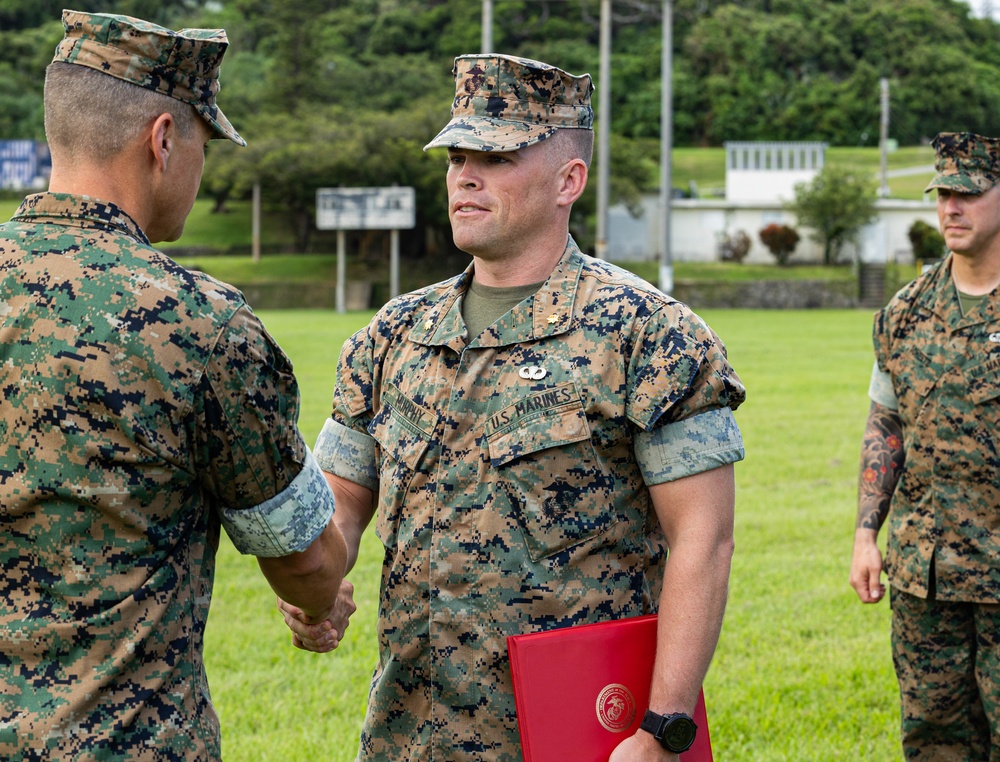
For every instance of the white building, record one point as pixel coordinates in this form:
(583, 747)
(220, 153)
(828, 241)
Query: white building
(760, 178)
(770, 171)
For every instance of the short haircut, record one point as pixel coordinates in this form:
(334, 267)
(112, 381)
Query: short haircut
(571, 144)
(94, 115)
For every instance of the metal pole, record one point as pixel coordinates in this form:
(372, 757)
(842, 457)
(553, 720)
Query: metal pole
(884, 137)
(666, 146)
(255, 224)
(603, 132)
(393, 263)
(487, 32)
(341, 272)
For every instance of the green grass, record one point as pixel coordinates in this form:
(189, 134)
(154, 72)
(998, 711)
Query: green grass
(306, 268)
(311, 268)
(803, 670)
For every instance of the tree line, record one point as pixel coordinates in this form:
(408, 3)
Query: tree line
(347, 92)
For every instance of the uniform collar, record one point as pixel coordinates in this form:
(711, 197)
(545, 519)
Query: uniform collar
(941, 299)
(548, 313)
(78, 211)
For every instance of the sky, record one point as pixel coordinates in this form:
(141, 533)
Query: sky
(981, 7)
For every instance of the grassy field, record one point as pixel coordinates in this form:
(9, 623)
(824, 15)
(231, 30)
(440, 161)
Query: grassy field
(803, 670)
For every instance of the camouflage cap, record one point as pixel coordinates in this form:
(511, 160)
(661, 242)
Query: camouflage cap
(503, 103)
(183, 65)
(965, 162)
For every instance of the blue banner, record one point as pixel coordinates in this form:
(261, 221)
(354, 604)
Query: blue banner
(24, 165)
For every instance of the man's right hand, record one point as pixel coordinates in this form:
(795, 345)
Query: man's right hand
(866, 566)
(323, 634)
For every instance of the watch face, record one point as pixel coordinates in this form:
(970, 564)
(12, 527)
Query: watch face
(678, 733)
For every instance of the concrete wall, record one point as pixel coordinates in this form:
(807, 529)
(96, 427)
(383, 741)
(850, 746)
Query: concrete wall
(697, 225)
(769, 295)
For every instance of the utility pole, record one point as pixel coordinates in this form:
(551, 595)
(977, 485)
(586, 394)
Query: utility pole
(884, 138)
(603, 132)
(255, 223)
(666, 143)
(486, 46)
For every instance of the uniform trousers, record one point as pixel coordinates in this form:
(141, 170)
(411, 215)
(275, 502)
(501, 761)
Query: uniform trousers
(947, 660)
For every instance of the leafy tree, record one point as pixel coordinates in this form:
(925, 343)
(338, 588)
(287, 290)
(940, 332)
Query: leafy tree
(26, 14)
(20, 109)
(797, 70)
(348, 91)
(743, 69)
(23, 58)
(836, 205)
(293, 155)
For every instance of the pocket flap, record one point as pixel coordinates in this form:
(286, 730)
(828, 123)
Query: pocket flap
(402, 428)
(550, 418)
(984, 380)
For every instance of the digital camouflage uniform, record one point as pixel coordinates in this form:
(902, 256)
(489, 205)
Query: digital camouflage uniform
(945, 511)
(142, 405)
(943, 548)
(510, 474)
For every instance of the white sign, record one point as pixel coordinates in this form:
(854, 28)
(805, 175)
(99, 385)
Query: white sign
(365, 208)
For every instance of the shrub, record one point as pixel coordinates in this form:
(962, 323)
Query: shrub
(926, 240)
(734, 248)
(780, 240)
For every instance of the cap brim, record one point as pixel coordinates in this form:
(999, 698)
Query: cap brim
(478, 133)
(959, 183)
(220, 125)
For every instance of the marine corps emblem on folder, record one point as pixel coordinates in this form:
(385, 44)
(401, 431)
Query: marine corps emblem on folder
(615, 708)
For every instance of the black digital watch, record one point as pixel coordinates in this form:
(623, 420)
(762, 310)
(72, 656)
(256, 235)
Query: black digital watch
(675, 732)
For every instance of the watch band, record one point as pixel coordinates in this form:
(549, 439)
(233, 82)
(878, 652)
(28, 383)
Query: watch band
(651, 722)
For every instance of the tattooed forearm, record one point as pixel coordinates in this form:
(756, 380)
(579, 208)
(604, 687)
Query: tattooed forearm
(882, 459)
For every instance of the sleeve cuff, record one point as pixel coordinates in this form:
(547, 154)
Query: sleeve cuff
(289, 521)
(691, 446)
(347, 453)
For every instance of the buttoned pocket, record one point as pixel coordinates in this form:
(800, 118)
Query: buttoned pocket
(403, 431)
(550, 472)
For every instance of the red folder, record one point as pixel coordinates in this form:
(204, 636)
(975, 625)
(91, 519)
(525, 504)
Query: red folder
(580, 691)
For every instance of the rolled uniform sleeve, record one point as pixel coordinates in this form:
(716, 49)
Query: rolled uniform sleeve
(678, 368)
(344, 447)
(700, 443)
(347, 453)
(880, 388)
(270, 493)
(683, 393)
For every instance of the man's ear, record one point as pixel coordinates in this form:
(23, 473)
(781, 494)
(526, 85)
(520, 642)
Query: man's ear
(572, 181)
(161, 139)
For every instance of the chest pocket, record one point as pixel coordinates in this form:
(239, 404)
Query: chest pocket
(984, 381)
(403, 431)
(550, 473)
